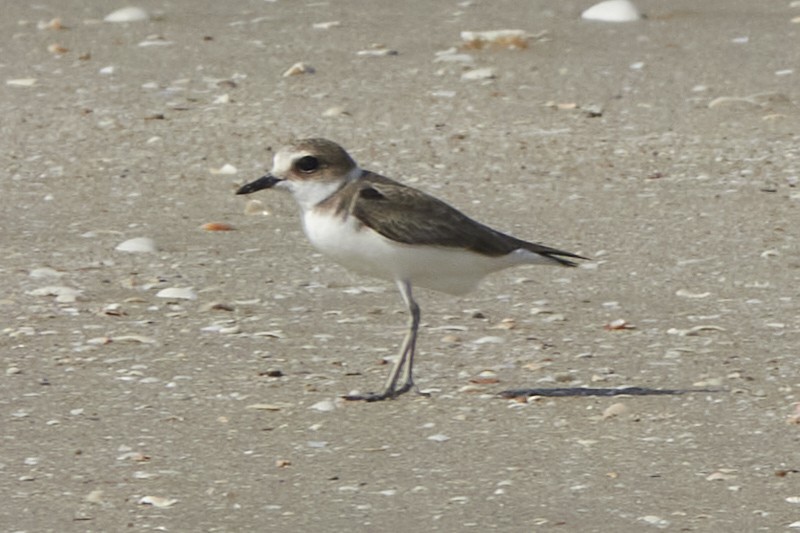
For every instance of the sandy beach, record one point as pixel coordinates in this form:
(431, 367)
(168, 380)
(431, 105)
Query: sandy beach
(197, 386)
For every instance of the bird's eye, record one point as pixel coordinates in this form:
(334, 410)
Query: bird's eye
(307, 164)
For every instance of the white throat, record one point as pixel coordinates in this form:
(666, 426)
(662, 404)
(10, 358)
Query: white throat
(309, 193)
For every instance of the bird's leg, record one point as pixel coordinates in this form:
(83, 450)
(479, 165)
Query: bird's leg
(405, 360)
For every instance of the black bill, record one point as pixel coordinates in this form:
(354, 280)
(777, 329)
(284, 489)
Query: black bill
(264, 182)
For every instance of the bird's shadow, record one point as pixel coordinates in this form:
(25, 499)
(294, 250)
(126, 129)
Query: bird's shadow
(588, 391)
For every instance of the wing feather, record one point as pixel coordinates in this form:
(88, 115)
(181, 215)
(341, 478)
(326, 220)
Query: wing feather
(409, 216)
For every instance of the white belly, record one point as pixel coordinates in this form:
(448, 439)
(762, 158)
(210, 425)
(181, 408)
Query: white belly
(361, 249)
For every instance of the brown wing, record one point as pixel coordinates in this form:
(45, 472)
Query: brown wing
(406, 215)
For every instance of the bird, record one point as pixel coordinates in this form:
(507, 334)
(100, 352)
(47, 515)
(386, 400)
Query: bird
(374, 225)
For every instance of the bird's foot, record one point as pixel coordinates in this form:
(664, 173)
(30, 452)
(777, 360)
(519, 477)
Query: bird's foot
(371, 396)
(388, 394)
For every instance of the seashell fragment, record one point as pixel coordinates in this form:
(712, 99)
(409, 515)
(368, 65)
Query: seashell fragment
(264, 407)
(297, 69)
(693, 331)
(137, 244)
(688, 294)
(53, 24)
(157, 501)
(485, 73)
(21, 82)
(155, 40)
(377, 50)
(515, 39)
(326, 25)
(617, 324)
(614, 410)
(612, 11)
(227, 169)
(57, 49)
(323, 406)
(45, 272)
(451, 55)
(127, 14)
(62, 294)
(217, 226)
(179, 293)
(255, 207)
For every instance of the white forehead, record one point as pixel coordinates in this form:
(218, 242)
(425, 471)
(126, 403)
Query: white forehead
(284, 159)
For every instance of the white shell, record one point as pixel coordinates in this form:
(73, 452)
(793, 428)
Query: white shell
(62, 294)
(612, 11)
(297, 69)
(179, 293)
(492, 36)
(138, 244)
(127, 14)
(485, 73)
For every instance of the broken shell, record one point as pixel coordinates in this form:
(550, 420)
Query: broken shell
(688, 294)
(127, 14)
(226, 169)
(693, 331)
(217, 226)
(54, 24)
(501, 38)
(377, 51)
(57, 49)
(137, 244)
(612, 11)
(96, 496)
(297, 69)
(486, 73)
(324, 406)
(619, 323)
(62, 294)
(336, 111)
(21, 82)
(615, 409)
(264, 407)
(157, 501)
(179, 293)
(45, 272)
(255, 207)
(326, 25)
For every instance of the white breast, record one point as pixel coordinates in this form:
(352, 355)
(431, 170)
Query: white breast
(361, 249)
